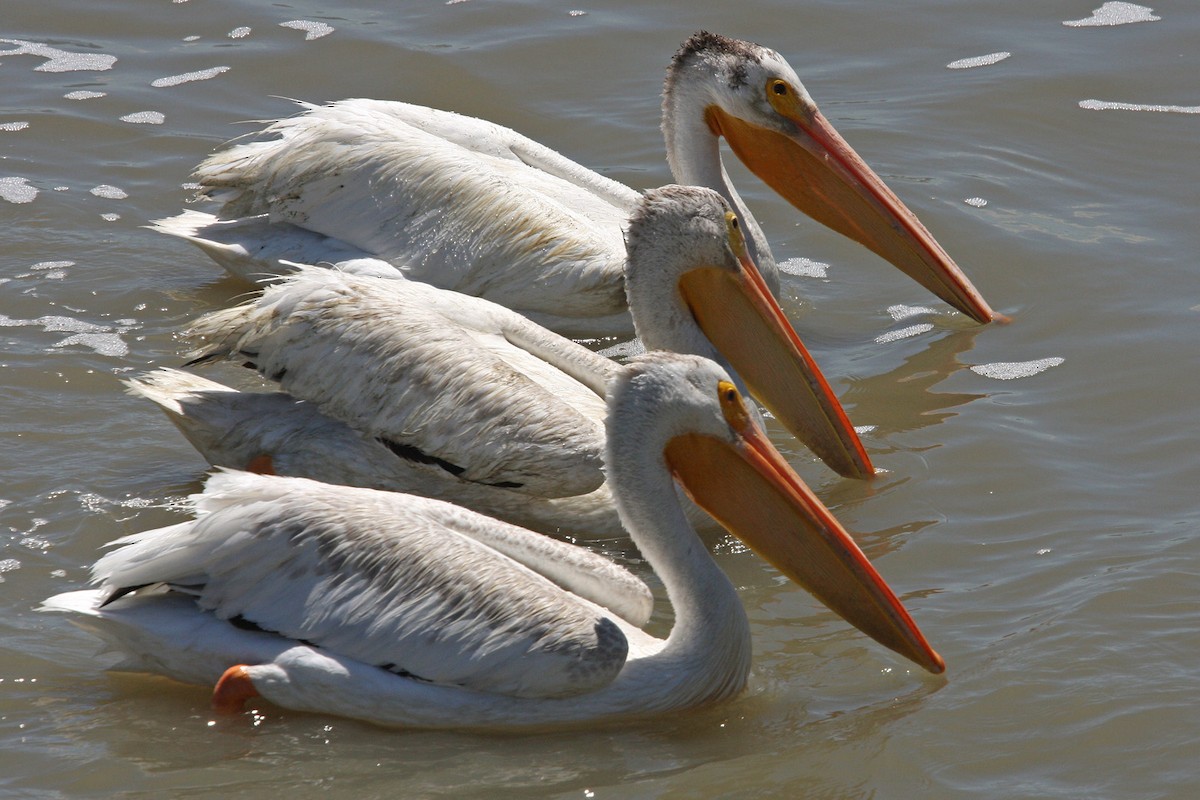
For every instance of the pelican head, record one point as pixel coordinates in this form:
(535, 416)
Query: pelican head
(726, 464)
(752, 98)
(693, 288)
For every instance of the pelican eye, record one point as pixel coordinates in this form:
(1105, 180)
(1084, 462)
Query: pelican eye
(782, 96)
(733, 228)
(732, 406)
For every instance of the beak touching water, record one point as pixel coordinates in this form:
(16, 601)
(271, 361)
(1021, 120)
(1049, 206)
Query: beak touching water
(818, 172)
(749, 488)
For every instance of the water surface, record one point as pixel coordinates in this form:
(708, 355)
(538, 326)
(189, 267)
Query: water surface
(1039, 509)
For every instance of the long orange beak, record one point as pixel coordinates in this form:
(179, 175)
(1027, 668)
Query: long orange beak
(742, 319)
(815, 170)
(749, 488)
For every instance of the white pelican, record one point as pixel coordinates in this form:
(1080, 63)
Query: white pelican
(409, 612)
(458, 398)
(273, 433)
(464, 204)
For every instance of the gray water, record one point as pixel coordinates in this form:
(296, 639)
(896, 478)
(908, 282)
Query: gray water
(1038, 519)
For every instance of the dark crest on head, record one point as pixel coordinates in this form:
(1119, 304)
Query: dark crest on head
(714, 44)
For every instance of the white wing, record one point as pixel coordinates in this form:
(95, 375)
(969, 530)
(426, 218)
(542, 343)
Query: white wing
(256, 249)
(405, 583)
(235, 429)
(436, 375)
(454, 201)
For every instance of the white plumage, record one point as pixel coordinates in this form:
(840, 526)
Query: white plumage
(407, 611)
(244, 429)
(452, 396)
(496, 399)
(468, 205)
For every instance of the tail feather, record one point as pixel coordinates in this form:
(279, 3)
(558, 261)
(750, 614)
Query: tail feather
(259, 250)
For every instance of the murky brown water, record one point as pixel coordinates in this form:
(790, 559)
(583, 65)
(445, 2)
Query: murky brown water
(1040, 519)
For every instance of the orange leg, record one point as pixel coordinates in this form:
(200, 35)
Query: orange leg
(262, 464)
(233, 690)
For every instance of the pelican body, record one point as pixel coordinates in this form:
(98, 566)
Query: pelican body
(452, 396)
(274, 432)
(464, 204)
(409, 612)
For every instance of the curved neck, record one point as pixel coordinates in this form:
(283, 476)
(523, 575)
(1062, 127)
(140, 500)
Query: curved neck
(694, 156)
(663, 322)
(705, 659)
(707, 654)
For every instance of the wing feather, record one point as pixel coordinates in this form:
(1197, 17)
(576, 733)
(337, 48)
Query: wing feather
(378, 577)
(426, 368)
(455, 201)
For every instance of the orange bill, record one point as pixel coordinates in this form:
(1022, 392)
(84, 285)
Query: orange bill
(817, 171)
(749, 488)
(740, 316)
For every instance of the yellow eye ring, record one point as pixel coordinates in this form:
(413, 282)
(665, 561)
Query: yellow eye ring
(732, 406)
(783, 97)
(733, 228)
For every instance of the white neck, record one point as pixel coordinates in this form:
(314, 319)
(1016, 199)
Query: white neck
(694, 156)
(663, 322)
(707, 655)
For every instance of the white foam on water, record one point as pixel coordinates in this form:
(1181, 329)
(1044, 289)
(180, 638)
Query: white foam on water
(903, 333)
(105, 344)
(1114, 14)
(312, 30)
(110, 192)
(900, 311)
(979, 61)
(17, 190)
(59, 60)
(145, 118)
(52, 270)
(1104, 105)
(633, 347)
(1011, 370)
(189, 77)
(804, 267)
(100, 338)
